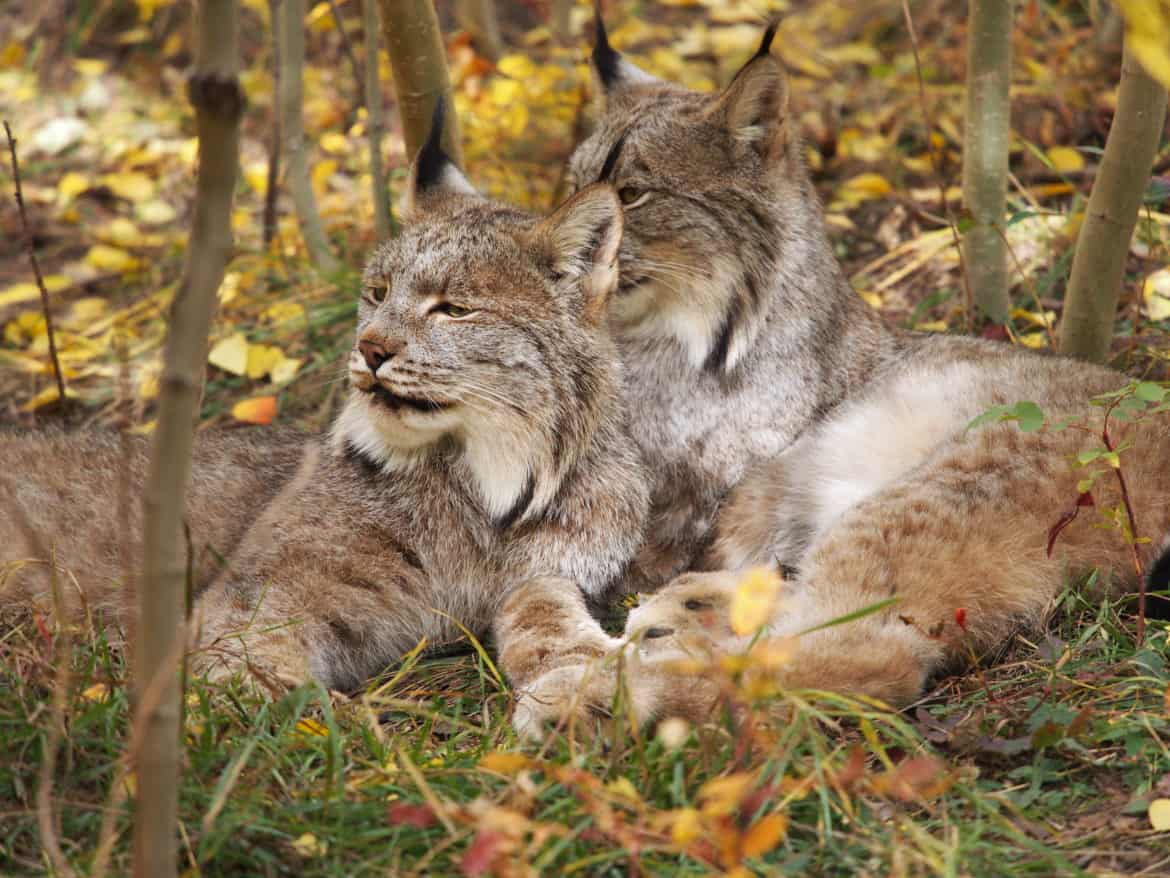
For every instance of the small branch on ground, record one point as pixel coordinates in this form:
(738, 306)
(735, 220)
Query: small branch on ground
(36, 267)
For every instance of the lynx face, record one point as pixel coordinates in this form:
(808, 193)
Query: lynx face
(707, 182)
(483, 329)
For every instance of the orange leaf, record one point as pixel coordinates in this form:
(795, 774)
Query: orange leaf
(765, 834)
(258, 410)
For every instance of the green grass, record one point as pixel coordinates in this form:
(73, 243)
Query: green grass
(1042, 765)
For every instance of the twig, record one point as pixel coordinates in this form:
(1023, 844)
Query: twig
(936, 167)
(32, 257)
(1133, 533)
(347, 47)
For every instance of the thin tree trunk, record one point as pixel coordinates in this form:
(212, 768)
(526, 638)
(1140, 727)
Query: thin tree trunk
(215, 93)
(479, 18)
(987, 129)
(1094, 287)
(270, 192)
(291, 29)
(418, 61)
(376, 123)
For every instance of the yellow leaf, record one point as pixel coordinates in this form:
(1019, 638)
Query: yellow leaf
(258, 410)
(623, 788)
(154, 212)
(230, 354)
(284, 312)
(516, 66)
(230, 287)
(1160, 815)
(312, 728)
(285, 370)
(261, 359)
(98, 692)
(308, 845)
(765, 834)
(130, 784)
(90, 66)
(865, 186)
(320, 18)
(71, 185)
(131, 185)
(755, 600)
(932, 326)
(721, 796)
(120, 231)
(1155, 291)
(322, 171)
(12, 55)
(26, 291)
(504, 92)
(1065, 159)
(335, 143)
(1034, 340)
(256, 176)
(85, 311)
(48, 396)
(504, 763)
(26, 328)
(107, 258)
(687, 826)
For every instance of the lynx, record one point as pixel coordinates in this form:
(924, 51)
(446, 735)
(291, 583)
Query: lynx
(884, 495)
(735, 323)
(483, 442)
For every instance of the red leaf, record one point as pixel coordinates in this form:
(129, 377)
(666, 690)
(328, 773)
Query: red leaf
(482, 853)
(403, 814)
(961, 617)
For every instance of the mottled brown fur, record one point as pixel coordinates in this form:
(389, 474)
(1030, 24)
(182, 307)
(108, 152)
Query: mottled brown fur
(483, 443)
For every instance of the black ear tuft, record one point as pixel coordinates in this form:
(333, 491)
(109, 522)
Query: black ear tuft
(431, 159)
(766, 42)
(606, 60)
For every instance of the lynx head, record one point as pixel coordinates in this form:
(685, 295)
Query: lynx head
(481, 333)
(715, 196)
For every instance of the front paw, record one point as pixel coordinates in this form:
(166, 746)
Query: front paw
(570, 697)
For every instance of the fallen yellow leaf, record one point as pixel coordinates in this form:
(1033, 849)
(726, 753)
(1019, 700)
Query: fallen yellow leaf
(131, 185)
(755, 600)
(312, 728)
(257, 410)
(230, 354)
(1065, 159)
(98, 692)
(721, 796)
(623, 788)
(1160, 814)
(285, 370)
(261, 359)
(1155, 291)
(107, 258)
(48, 396)
(71, 185)
(687, 826)
(335, 143)
(308, 845)
(504, 763)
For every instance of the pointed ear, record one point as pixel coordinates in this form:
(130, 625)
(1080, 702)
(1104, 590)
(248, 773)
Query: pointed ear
(612, 73)
(581, 240)
(433, 176)
(754, 107)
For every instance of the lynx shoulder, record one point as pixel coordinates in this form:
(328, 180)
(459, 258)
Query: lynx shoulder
(483, 442)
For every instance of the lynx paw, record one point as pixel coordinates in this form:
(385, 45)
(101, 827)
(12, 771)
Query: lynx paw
(565, 695)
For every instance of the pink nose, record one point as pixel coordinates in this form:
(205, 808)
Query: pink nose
(376, 353)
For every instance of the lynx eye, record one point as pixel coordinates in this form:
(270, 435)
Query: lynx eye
(452, 310)
(631, 196)
(695, 604)
(376, 293)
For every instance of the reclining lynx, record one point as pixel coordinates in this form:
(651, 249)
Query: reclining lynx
(885, 494)
(483, 442)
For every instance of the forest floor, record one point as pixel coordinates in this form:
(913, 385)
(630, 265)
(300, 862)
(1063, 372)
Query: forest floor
(1045, 763)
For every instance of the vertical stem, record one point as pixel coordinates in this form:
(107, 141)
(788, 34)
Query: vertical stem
(1094, 287)
(215, 93)
(292, 124)
(270, 191)
(479, 18)
(986, 133)
(418, 61)
(376, 123)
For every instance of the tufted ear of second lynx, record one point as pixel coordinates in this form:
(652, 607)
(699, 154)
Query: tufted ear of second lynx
(754, 108)
(581, 241)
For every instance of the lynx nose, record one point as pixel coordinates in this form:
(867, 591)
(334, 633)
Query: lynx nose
(376, 353)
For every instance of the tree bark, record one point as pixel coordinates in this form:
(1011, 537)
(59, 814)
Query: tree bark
(291, 30)
(1094, 287)
(376, 125)
(214, 91)
(479, 18)
(987, 129)
(418, 61)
